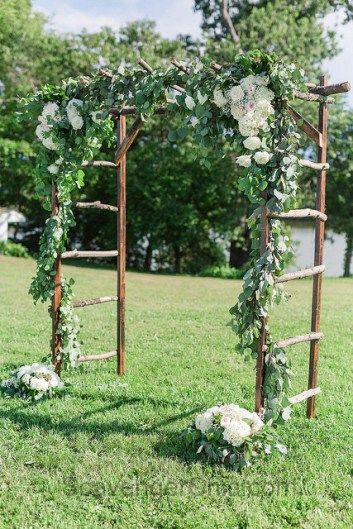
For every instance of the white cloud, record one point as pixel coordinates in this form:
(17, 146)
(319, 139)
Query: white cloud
(172, 18)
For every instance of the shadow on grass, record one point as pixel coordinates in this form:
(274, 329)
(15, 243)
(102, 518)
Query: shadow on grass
(24, 417)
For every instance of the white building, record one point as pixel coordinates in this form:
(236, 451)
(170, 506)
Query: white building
(9, 217)
(303, 239)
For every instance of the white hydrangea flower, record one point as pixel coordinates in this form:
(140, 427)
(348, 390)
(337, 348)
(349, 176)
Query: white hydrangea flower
(73, 114)
(244, 161)
(23, 370)
(252, 143)
(25, 379)
(218, 98)
(201, 98)
(237, 111)
(54, 381)
(76, 122)
(236, 432)
(236, 93)
(194, 121)
(262, 92)
(264, 108)
(41, 128)
(50, 110)
(189, 102)
(248, 127)
(204, 421)
(262, 157)
(95, 116)
(50, 144)
(53, 169)
(256, 424)
(39, 384)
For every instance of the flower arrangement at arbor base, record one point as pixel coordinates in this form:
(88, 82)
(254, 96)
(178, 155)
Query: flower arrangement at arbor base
(34, 381)
(232, 435)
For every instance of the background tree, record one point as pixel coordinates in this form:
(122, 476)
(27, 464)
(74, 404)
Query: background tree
(340, 179)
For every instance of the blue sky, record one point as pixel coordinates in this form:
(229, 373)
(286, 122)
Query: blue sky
(172, 18)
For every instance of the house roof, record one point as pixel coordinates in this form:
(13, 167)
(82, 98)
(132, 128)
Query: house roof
(11, 215)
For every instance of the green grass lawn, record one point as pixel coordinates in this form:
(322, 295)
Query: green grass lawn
(108, 454)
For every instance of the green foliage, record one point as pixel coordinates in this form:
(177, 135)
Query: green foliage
(222, 271)
(13, 249)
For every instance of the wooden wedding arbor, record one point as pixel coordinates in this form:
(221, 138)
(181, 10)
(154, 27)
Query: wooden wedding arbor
(318, 93)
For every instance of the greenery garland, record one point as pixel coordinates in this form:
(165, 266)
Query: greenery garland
(244, 105)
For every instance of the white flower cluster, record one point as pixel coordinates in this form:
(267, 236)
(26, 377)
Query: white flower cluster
(49, 115)
(250, 105)
(36, 380)
(73, 114)
(237, 423)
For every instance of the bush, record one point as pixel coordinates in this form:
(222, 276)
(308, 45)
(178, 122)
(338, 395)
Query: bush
(13, 249)
(222, 271)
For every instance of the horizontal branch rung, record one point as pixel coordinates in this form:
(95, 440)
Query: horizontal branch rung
(89, 253)
(98, 163)
(93, 301)
(339, 88)
(314, 165)
(309, 337)
(300, 274)
(96, 205)
(304, 395)
(103, 356)
(312, 97)
(299, 214)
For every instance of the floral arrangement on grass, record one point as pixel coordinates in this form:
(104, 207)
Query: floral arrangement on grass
(33, 381)
(232, 435)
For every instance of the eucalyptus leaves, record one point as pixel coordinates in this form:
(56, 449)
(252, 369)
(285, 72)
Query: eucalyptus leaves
(240, 109)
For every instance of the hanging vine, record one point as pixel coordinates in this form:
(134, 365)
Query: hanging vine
(245, 104)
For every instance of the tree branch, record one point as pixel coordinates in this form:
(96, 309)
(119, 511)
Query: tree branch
(229, 23)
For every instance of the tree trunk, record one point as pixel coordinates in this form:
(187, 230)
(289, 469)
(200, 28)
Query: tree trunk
(237, 255)
(148, 258)
(177, 259)
(348, 255)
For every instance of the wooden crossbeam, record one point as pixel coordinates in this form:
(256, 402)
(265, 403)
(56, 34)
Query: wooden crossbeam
(149, 69)
(306, 126)
(89, 253)
(98, 163)
(304, 395)
(94, 301)
(339, 88)
(128, 141)
(96, 205)
(103, 356)
(132, 111)
(300, 274)
(293, 340)
(314, 165)
(299, 214)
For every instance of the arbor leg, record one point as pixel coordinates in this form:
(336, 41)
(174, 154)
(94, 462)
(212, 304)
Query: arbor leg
(260, 362)
(56, 300)
(121, 260)
(319, 252)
